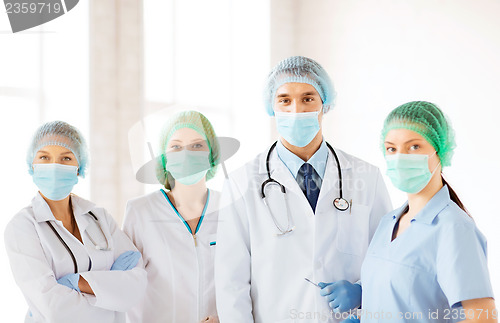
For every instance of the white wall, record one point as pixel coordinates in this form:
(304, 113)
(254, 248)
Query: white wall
(43, 77)
(210, 56)
(383, 53)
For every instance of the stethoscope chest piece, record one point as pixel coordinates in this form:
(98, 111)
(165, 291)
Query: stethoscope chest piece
(341, 204)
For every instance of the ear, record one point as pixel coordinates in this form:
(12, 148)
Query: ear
(320, 118)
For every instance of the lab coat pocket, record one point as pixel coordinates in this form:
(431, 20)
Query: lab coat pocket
(353, 230)
(212, 242)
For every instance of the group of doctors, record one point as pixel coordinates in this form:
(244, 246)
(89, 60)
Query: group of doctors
(302, 233)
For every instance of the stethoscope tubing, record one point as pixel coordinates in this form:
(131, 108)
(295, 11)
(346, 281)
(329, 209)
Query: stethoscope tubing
(75, 264)
(283, 189)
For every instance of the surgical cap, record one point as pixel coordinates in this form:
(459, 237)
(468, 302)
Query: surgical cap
(427, 120)
(59, 133)
(193, 120)
(299, 69)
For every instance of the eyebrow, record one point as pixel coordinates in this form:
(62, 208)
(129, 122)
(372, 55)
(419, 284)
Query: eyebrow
(388, 142)
(303, 94)
(46, 152)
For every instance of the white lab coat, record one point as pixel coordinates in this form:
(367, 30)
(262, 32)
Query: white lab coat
(38, 259)
(259, 277)
(181, 284)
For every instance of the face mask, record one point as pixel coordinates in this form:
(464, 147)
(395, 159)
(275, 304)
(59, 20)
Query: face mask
(409, 172)
(297, 128)
(188, 167)
(55, 181)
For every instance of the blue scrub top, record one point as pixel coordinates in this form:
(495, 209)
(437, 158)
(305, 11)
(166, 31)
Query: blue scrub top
(424, 274)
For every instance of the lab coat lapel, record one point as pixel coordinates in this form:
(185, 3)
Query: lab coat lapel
(281, 173)
(41, 209)
(81, 207)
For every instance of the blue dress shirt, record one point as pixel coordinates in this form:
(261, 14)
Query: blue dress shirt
(293, 162)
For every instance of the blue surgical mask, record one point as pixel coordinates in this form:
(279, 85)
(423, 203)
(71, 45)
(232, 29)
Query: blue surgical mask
(55, 181)
(186, 166)
(299, 129)
(409, 172)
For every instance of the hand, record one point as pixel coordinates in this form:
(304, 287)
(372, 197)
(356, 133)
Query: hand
(70, 280)
(126, 261)
(210, 319)
(351, 319)
(341, 295)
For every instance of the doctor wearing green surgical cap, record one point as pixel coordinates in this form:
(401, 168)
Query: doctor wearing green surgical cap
(175, 227)
(427, 260)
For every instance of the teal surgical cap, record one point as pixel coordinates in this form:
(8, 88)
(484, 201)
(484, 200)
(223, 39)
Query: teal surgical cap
(59, 133)
(299, 69)
(193, 120)
(427, 120)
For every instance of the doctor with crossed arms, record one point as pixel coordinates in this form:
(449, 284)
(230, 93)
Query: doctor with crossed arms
(301, 209)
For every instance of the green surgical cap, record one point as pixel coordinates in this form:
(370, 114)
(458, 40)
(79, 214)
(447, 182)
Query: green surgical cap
(427, 120)
(193, 120)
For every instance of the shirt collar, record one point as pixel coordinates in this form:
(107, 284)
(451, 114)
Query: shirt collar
(43, 213)
(436, 204)
(293, 162)
(41, 209)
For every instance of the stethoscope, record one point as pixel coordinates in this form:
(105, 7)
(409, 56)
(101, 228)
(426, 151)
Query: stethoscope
(75, 265)
(340, 203)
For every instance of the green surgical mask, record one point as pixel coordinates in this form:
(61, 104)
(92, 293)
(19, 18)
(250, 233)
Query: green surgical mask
(186, 166)
(409, 172)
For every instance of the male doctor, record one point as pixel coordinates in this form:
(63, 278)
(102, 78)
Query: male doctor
(287, 216)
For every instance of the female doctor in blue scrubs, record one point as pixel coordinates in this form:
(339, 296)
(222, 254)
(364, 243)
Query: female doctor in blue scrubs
(427, 260)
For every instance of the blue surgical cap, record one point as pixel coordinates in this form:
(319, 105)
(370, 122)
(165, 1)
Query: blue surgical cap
(299, 69)
(59, 133)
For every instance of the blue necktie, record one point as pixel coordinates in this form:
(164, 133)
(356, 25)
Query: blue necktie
(308, 185)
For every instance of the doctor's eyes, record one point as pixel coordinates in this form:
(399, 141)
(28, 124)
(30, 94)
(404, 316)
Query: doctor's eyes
(391, 150)
(195, 146)
(47, 158)
(288, 101)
